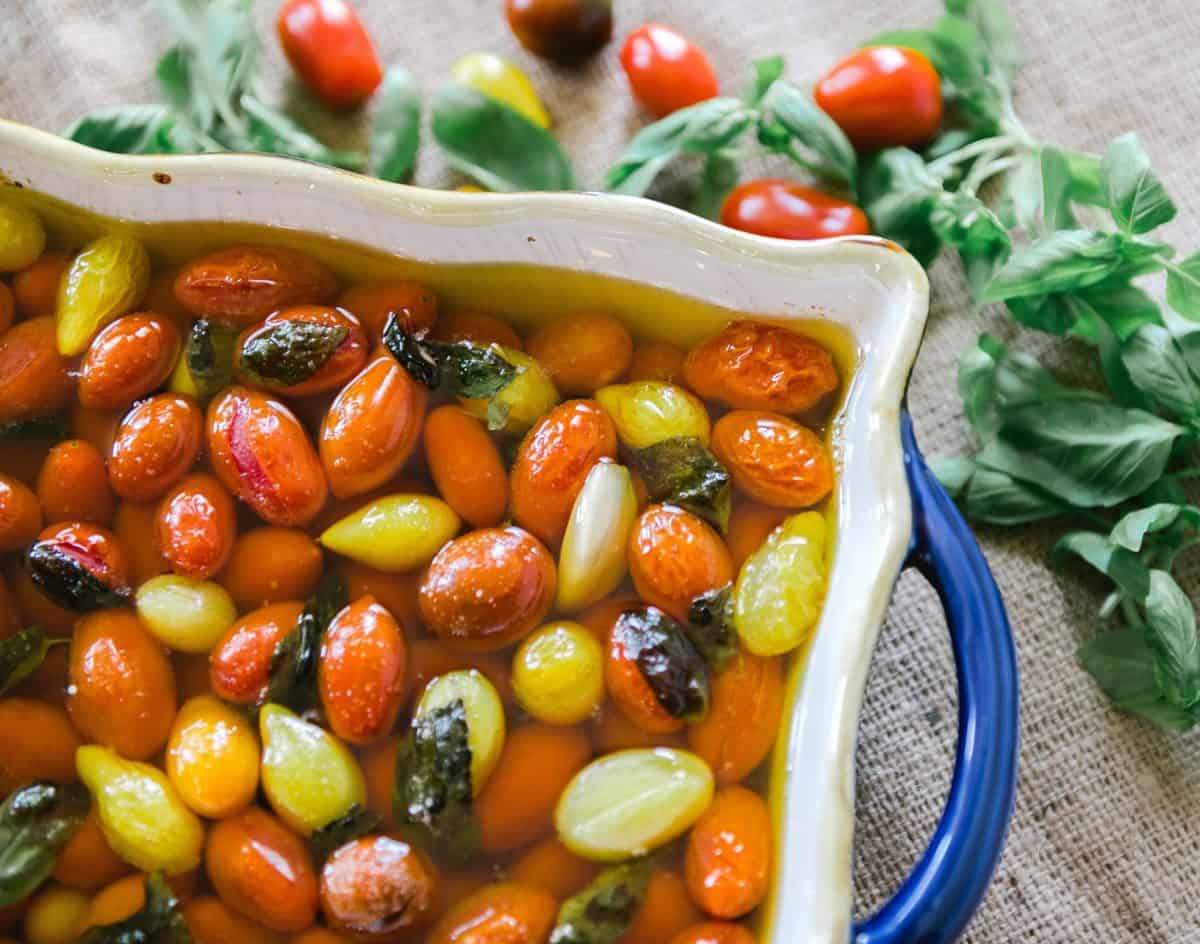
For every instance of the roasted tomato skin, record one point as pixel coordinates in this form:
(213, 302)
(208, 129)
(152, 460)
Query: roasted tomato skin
(330, 50)
(773, 459)
(883, 96)
(787, 210)
(666, 71)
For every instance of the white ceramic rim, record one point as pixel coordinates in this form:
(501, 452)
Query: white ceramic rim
(866, 285)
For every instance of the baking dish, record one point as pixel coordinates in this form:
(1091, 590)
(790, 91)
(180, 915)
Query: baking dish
(670, 276)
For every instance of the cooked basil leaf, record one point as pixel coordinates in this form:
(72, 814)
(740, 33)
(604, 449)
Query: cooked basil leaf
(411, 352)
(62, 577)
(668, 661)
(355, 823)
(20, 654)
(36, 821)
(681, 471)
(500, 148)
(396, 126)
(1126, 669)
(792, 123)
(603, 911)
(433, 794)
(1134, 194)
(286, 353)
(42, 427)
(208, 354)
(160, 920)
(1183, 286)
(1171, 632)
(710, 627)
(1119, 564)
(465, 369)
(293, 681)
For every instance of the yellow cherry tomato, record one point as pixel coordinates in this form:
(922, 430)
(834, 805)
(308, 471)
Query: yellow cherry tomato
(499, 79)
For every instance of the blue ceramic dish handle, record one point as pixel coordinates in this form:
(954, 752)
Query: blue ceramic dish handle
(938, 898)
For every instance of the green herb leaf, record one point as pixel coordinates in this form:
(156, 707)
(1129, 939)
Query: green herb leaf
(286, 353)
(1121, 304)
(793, 124)
(668, 662)
(62, 577)
(293, 681)
(472, 371)
(433, 784)
(992, 22)
(681, 471)
(1171, 632)
(992, 379)
(208, 354)
(500, 148)
(1119, 564)
(1090, 324)
(52, 428)
(766, 71)
(355, 823)
(603, 911)
(719, 177)
(1061, 261)
(898, 194)
(160, 921)
(1056, 191)
(1183, 286)
(396, 127)
(1125, 668)
(1087, 187)
(274, 132)
(1157, 367)
(1134, 194)
(954, 472)
(965, 223)
(36, 821)
(126, 129)
(20, 655)
(1023, 192)
(991, 497)
(1130, 532)
(710, 627)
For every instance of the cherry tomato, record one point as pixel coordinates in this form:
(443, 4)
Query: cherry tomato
(787, 210)
(565, 31)
(883, 96)
(665, 70)
(329, 48)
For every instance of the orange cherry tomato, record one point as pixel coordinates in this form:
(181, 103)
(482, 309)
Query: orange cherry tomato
(240, 664)
(37, 742)
(396, 593)
(20, 514)
(500, 913)
(372, 427)
(98, 427)
(714, 932)
(788, 210)
(128, 359)
(343, 363)
(477, 329)
(656, 361)
(122, 686)
(630, 690)
(582, 352)
(666, 910)
(360, 675)
(262, 454)
(750, 365)
(87, 860)
(883, 96)
(743, 717)
(196, 526)
(35, 289)
(329, 49)
(612, 731)
(466, 466)
(728, 858)
(487, 589)
(553, 462)
(210, 921)
(35, 380)
(73, 484)
(565, 31)
(666, 71)
(268, 565)
(380, 888)
(155, 445)
(749, 525)
(552, 866)
(8, 307)
(674, 557)
(95, 551)
(136, 527)
(773, 459)
(372, 302)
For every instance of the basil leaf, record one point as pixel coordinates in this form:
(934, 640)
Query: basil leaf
(20, 655)
(286, 353)
(1130, 532)
(1023, 187)
(710, 627)
(472, 371)
(1124, 666)
(1061, 261)
(126, 129)
(160, 921)
(898, 194)
(42, 427)
(1086, 184)
(396, 127)
(953, 472)
(293, 679)
(995, 497)
(992, 22)
(1053, 314)
(1171, 632)
(1134, 194)
(36, 822)
(62, 577)
(1082, 449)
(1158, 369)
(603, 911)
(992, 379)
(681, 471)
(766, 71)
(793, 124)
(355, 823)
(274, 132)
(965, 223)
(668, 662)
(1183, 286)
(719, 177)
(208, 353)
(1119, 564)
(1056, 191)
(1109, 347)
(433, 784)
(499, 148)
(1121, 304)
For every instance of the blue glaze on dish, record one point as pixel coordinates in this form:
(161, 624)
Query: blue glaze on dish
(938, 898)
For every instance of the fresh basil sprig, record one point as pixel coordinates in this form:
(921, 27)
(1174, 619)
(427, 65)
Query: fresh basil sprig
(36, 821)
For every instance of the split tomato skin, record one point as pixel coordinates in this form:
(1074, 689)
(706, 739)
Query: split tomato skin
(330, 50)
(788, 210)
(883, 96)
(666, 70)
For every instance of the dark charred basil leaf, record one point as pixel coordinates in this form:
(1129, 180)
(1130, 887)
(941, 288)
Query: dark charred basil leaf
(464, 369)
(67, 581)
(287, 353)
(433, 793)
(411, 353)
(35, 823)
(294, 665)
(710, 627)
(20, 654)
(209, 356)
(602, 912)
(159, 922)
(355, 823)
(668, 661)
(681, 471)
(43, 427)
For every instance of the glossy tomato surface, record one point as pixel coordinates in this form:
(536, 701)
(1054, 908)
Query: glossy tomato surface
(787, 210)
(329, 48)
(666, 70)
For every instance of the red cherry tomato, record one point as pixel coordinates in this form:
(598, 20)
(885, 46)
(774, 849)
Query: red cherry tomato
(787, 210)
(665, 70)
(330, 50)
(883, 96)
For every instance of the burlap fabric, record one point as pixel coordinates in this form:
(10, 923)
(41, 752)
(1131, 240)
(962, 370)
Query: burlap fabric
(1106, 834)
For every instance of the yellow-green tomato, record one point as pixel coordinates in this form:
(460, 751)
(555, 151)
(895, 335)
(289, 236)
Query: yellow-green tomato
(523, 401)
(184, 613)
(484, 712)
(558, 673)
(22, 237)
(106, 280)
(779, 591)
(54, 915)
(593, 558)
(309, 776)
(646, 412)
(141, 815)
(629, 803)
(212, 757)
(499, 79)
(394, 533)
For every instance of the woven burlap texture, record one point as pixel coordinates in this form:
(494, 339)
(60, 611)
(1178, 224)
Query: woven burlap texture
(1106, 832)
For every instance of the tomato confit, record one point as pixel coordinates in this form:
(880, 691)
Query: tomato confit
(327, 615)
